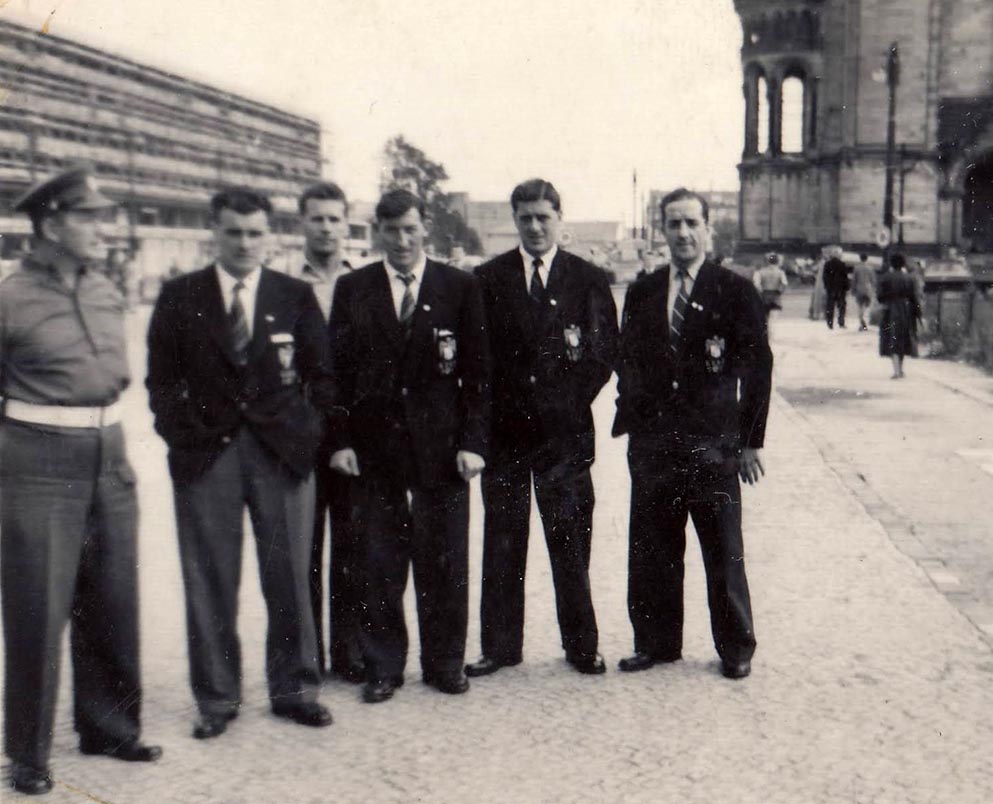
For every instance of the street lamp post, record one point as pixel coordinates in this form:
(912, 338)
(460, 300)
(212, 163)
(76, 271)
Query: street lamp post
(892, 81)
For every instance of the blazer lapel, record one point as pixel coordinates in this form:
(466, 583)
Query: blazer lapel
(515, 279)
(558, 285)
(214, 314)
(428, 299)
(266, 307)
(699, 300)
(380, 305)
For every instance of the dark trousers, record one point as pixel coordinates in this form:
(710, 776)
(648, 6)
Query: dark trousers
(68, 521)
(564, 493)
(667, 485)
(209, 515)
(333, 507)
(835, 300)
(429, 529)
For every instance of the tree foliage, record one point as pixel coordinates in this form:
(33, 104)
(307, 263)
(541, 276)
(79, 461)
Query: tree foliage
(407, 167)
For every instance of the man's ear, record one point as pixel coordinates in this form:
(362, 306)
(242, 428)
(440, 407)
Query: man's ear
(50, 228)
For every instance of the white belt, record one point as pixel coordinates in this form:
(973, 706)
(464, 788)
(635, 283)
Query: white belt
(62, 415)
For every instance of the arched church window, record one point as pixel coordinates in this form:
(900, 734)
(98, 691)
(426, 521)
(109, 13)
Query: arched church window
(793, 106)
(762, 104)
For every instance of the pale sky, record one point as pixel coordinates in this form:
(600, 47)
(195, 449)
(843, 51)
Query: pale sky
(577, 91)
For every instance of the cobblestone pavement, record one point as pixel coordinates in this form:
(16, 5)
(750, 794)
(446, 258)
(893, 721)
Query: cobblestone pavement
(868, 685)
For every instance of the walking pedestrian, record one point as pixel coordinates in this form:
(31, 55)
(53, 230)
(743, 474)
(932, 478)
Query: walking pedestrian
(863, 288)
(835, 288)
(901, 311)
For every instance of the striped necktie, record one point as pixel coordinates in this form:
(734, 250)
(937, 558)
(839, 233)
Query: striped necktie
(678, 311)
(408, 303)
(238, 322)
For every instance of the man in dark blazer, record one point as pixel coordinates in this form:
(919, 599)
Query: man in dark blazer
(553, 330)
(694, 383)
(411, 365)
(237, 377)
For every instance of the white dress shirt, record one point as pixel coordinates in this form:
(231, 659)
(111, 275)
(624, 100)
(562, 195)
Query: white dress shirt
(546, 265)
(247, 296)
(674, 287)
(397, 285)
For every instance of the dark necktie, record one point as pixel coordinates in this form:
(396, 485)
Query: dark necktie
(678, 311)
(408, 302)
(238, 321)
(537, 289)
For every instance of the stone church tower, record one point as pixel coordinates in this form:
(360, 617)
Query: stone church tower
(817, 90)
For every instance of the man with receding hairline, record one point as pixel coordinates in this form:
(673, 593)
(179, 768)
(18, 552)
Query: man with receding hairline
(693, 394)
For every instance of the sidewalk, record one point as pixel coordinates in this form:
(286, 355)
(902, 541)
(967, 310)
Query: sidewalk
(868, 685)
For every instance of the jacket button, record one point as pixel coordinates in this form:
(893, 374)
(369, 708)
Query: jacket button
(675, 385)
(226, 440)
(533, 379)
(404, 392)
(242, 406)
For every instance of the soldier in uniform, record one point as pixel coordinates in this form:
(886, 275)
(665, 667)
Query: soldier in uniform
(68, 510)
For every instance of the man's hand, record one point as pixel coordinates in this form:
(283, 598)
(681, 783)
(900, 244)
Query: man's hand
(469, 464)
(346, 462)
(750, 465)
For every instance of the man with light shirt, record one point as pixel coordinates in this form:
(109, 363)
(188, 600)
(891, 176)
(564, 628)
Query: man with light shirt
(553, 330)
(410, 360)
(324, 222)
(68, 508)
(239, 385)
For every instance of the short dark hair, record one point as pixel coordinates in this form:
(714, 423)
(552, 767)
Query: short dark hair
(535, 190)
(322, 191)
(680, 194)
(242, 200)
(395, 203)
(898, 261)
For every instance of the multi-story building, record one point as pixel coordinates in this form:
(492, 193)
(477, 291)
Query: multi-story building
(818, 79)
(161, 145)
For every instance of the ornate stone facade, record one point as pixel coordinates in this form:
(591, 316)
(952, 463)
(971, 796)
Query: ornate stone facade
(827, 185)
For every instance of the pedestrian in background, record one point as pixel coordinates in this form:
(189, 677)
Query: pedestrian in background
(68, 509)
(901, 310)
(553, 330)
(815, 312)
(410, 360)
(691, 337)
(324, 222)
(863, 288)
(835, 288)
(771, 282)
(238, 382)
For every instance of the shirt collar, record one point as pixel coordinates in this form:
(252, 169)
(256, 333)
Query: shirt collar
(417, 270)
(691, 274)
(228, 281)
(546, 258)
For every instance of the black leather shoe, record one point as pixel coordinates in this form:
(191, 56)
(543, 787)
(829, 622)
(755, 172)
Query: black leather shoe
(590, 665)
(133, 751)
(30, 780)
(208, 726)
(736, 669)
(379, 690)
(448, 683)
(309, 713)
(487, 666)
(642, 661)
